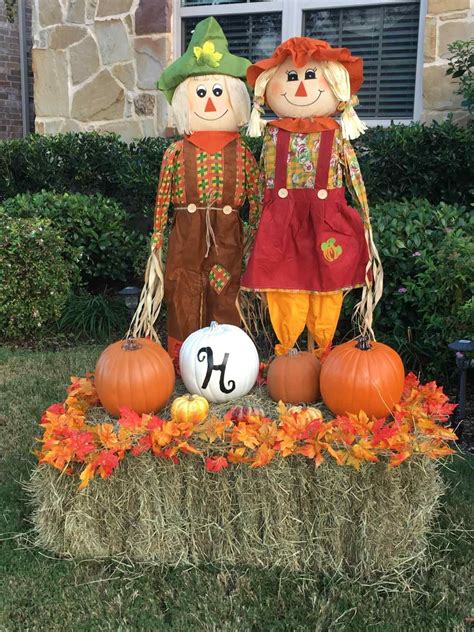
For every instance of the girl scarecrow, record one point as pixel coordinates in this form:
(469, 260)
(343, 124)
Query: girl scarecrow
(206, 176)
(311, 246)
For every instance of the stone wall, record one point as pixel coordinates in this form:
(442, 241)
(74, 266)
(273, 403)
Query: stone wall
(96, 63)
(10, 78)
(446, 22)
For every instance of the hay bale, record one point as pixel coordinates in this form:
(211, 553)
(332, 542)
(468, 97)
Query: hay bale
(288, 514)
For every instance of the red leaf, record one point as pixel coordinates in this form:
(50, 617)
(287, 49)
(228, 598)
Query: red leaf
(216, 464)
(130, 419)
(143, 445)
(155, 422)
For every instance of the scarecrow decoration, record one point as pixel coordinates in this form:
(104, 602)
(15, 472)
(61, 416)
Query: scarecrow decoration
(311, 246)
(206, 176)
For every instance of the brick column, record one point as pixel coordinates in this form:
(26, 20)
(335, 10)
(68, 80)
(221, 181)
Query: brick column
(10, 84)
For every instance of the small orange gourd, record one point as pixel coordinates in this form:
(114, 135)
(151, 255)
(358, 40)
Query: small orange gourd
(362, 375)
(190, 408)
(307, 414)
(294, 378)
(137, 373)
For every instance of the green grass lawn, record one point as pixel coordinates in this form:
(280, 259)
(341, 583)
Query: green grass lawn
(38, 592)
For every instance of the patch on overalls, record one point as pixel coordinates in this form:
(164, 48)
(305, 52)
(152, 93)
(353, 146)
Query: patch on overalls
(331, 251)
(218, 278)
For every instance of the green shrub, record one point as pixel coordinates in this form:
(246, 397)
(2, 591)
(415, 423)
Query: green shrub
(435, 162)
(94, 225)
(37, 270)
(94, 317)
(85, 163)
(461, 67)
(426, 284)
(441, 294)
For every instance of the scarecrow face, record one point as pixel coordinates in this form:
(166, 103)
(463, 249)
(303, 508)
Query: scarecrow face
(210, 108)
(300, 92)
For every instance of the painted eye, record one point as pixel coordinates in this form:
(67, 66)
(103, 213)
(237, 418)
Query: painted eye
(292, 75)
(217, 90)
(201, 91)
(310, 74)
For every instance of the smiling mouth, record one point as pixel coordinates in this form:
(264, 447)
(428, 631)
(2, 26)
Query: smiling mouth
(213, 119)
(303, 105)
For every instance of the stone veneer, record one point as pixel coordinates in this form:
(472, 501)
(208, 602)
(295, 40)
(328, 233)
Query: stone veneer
(96, 63)
(446, 21)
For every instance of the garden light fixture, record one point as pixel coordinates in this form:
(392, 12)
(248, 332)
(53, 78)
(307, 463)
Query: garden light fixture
(130, 296)
(464, 361)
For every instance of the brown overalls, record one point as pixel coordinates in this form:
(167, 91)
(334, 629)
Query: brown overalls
(205, 252)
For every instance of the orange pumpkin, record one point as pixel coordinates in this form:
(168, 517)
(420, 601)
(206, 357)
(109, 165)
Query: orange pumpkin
(294, 378)
(362, 375)
(190, 408)
(137, 373)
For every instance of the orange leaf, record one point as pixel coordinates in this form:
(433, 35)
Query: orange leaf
(87, 475)
(237, 455)
(398, 458)
(263, 456)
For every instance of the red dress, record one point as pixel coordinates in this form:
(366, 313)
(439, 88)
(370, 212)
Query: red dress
(308, 239)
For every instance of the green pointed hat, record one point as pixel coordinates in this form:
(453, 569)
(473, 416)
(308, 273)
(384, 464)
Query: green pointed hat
(207, 54)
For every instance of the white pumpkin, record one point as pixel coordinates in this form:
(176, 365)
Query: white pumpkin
(219, 362)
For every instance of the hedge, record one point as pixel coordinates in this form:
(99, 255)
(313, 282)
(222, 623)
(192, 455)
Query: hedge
(434, 162)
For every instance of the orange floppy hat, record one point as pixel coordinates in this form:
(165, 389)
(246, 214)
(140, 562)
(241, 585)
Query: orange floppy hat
(301, 50)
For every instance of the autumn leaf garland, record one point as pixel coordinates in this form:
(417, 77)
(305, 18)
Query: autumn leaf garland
(244, 436)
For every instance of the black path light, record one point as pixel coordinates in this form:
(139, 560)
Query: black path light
(130, 296)
(464, 361)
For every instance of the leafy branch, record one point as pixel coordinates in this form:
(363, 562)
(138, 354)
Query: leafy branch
(461, 67)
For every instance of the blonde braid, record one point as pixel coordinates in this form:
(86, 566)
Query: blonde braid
(339, 82)
(256, 126)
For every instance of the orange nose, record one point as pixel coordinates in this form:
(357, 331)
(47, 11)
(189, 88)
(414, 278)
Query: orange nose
(210, 107)
(301, 92)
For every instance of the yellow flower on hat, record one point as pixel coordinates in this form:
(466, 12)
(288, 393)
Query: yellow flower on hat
(207, 54)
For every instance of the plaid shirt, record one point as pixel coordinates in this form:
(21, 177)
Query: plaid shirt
(209, 173)
(302, 161)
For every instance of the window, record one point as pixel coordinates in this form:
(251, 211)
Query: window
(385, 33)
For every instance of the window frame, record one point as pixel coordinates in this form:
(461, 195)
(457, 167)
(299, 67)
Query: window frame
(292, 25)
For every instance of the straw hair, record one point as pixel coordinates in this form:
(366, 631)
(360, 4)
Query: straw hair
(363, 314)
(339, 81)
(149, 306)
(238, 97)
(256, 125)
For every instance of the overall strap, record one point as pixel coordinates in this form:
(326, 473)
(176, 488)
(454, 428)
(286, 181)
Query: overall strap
(230, 173)
(324, 159)
(190, 172)
(281, 159)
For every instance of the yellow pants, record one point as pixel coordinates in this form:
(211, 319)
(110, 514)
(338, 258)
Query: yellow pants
(290, 312)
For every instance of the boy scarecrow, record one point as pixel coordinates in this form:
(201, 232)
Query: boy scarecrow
(311, 246)
(206, 176)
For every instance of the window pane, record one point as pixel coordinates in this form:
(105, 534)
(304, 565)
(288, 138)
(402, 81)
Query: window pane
(202, 3)
(386, 37)
(252, 36)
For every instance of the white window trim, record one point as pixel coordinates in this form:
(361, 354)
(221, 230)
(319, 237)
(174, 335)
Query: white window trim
(292, 24)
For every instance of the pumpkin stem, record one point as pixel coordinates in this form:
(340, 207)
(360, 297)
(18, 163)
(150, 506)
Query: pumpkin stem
(363, 344)
(131, 344)
(293, 352)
